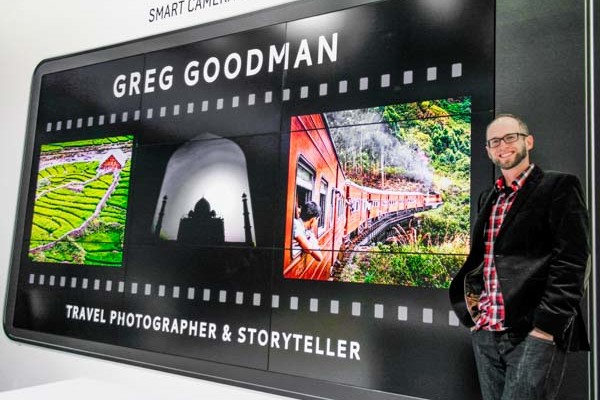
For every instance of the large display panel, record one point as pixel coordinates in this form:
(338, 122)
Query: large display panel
(162, 212)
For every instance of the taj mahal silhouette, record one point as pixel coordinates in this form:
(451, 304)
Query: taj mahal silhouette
(202, 226)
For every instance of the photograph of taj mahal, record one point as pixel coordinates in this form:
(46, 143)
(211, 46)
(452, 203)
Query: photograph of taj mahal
(205, 195)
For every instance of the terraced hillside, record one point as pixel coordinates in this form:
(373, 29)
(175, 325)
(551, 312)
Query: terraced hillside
(80, 204)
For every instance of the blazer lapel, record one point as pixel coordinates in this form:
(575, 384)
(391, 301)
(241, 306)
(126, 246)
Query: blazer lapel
(524, 193)
(485, 206)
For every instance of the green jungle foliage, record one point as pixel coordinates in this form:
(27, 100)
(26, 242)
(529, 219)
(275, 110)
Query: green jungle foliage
(406, 265)
(441, 128)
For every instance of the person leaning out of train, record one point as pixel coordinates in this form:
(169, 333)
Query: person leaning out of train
(304, 237)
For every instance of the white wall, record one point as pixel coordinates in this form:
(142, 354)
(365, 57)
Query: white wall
(31, 31)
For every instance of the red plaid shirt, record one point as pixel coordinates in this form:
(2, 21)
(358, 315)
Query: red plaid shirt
(491, 303)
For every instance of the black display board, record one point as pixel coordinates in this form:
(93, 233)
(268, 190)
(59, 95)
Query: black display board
(162, 178)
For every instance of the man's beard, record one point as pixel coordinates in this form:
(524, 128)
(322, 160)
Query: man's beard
(508, 164)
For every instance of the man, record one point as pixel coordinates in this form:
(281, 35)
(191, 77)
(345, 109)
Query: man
(304, 238)
(520, 287)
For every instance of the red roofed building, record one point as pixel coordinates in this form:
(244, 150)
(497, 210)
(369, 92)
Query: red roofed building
(110, 164)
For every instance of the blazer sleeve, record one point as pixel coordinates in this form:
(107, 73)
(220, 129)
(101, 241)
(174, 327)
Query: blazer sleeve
(568, 267)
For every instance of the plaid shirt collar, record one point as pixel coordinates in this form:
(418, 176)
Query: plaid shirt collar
(515, 185)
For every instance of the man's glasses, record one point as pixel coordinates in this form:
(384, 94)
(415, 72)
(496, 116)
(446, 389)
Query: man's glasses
(508, 138)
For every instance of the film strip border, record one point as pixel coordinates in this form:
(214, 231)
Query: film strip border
(236, 101)
(292, 303)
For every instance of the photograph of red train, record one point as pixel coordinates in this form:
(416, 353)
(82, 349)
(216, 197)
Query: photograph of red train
(390, 186)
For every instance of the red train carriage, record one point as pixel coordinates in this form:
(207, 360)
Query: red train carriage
(433, 200)
(395, 202)
(373, 206)
(415, 201)
(378, 204)
(356, 211)
(314, 174)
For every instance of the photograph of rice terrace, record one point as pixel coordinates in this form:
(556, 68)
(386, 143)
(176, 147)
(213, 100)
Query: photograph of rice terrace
(81, 202)
(399, 211)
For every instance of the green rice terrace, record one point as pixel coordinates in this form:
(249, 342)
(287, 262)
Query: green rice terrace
(81, 202)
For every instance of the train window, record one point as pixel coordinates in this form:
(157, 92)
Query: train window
(323, 204)
(305, 182)
(340, 207)
(332, 206)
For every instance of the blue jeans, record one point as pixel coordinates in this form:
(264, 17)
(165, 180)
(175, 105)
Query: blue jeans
(514, 366)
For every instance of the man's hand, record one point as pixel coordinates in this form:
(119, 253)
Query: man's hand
(540, 334)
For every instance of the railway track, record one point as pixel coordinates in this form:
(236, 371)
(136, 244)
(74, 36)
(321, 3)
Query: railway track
(362, 239)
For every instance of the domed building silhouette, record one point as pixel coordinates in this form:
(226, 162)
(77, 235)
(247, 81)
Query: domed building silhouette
(201, 226)
(206, 175)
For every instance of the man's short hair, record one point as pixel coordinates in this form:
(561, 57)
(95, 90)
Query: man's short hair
(309, 210)
(522, 124)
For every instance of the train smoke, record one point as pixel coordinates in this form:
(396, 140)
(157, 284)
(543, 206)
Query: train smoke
(362, 136)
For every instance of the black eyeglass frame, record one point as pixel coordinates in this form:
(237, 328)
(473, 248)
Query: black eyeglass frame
(504, 139)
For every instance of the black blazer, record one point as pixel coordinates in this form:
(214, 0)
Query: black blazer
(541, 258)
